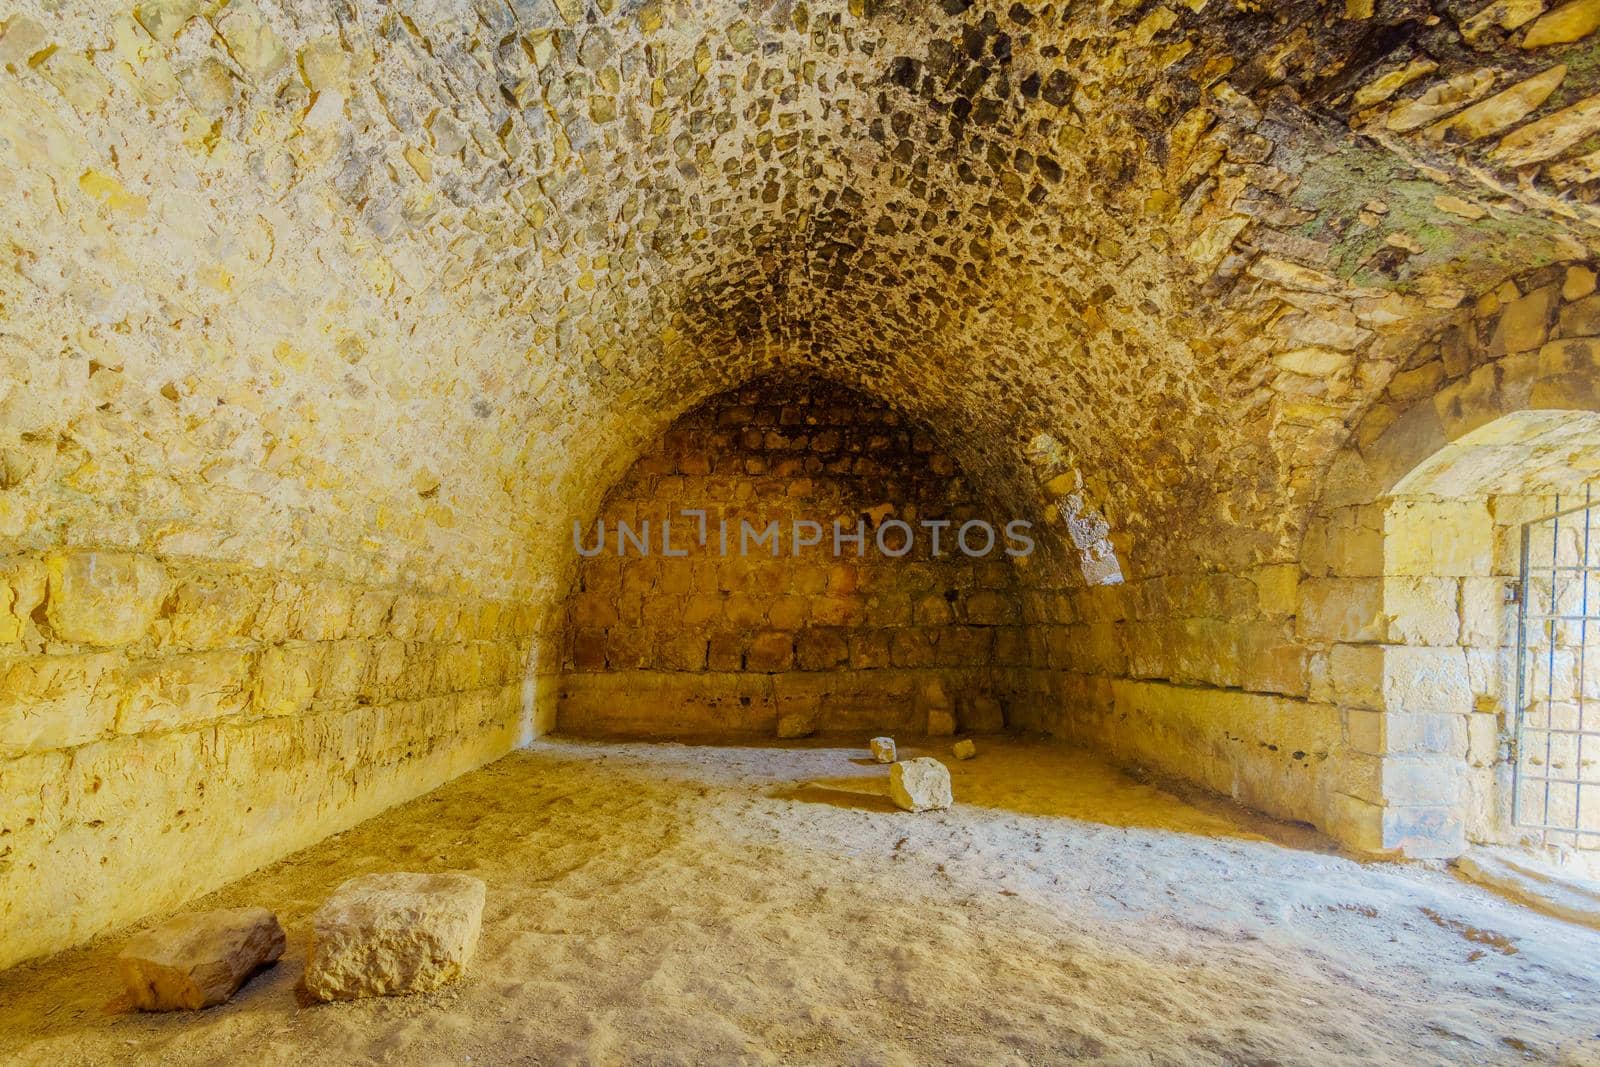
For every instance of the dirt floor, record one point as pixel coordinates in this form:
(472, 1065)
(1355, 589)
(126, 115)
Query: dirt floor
(672, 904)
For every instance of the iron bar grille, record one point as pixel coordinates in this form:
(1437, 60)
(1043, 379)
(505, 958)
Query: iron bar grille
(1557, 760)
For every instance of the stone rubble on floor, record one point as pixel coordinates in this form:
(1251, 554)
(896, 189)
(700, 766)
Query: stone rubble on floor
(921, 784)
(382, 934)
(964, 749)
(882, 749)
(198, 960)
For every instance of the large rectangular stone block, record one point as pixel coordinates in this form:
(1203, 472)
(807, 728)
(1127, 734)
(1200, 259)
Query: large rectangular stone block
(1341, 609)
(1422, 610)
(49, 702)
(1428, 537)
(104, 598)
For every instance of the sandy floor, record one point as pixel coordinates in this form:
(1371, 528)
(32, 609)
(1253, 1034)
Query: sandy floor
(685, 905)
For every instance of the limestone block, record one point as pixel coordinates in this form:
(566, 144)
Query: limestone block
(1567, 374)
(882, 749)
(964, 749)
(1277, 588)
(1412, 780)
(1525, 322)
(1483, 739)
(22, 589)
(209, 611)
(195, 961)
(1487, 618)
(921, 784)
(181, 690)
(251, 41)
(1563, 24)
(820, 649)
(287, 679)
(57, 701)
(1499, 112)
(1429, 537)
(797, 723)
(164, 18)
(1578, 283)
(1581, 318)
(22, 38)
(1341, 609)
(982, 713)
(1403, 733)
(387, 934)
(770, 651)
(1270, 660)
(1349, 544)
(1426, 680)
(1422, 611)
(103, 598)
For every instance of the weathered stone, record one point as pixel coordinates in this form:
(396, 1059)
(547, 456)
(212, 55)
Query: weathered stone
(964, 749)
(104, 598)
(1525, 322)
(1550, 136)
(1563, 24)
(882, 749)
(1579, 283)
(921, 784)
(198, 960)
(388, 934)
(1501, 111)
(793, 724)
(252, 42)
(1506, 14)
(1440, 100)
(1584, 168)
(394, 316)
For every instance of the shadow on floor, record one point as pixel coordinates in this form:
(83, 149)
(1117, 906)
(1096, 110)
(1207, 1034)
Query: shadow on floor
(840, 795)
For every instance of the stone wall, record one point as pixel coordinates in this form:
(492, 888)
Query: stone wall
(1362, 684)
(774, 638)
(167, 725)
(385, 293)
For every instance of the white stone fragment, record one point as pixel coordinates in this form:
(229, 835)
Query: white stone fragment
(882, 749)
(197, 960)
(921, 784)
(382, 934)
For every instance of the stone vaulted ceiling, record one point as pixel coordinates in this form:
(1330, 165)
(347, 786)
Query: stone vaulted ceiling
(413, 282)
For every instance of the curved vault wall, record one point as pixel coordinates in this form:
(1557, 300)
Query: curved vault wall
(318, 322)
(734, 636)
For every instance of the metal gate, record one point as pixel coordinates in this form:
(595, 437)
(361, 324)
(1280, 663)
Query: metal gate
(1557, 757)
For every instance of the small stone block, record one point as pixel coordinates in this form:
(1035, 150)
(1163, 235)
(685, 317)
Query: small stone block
(921, 784)
(882, 749)
(383, 934)
(964, 749)
(197, 960)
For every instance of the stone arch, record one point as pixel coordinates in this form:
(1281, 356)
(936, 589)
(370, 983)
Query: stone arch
(676, 632)
(1406, 563)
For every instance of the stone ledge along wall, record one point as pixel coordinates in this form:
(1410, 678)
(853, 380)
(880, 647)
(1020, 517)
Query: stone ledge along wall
(167, 725)
(792, 644)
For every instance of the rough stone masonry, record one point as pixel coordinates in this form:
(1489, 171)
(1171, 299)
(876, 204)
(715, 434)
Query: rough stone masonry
(321, 323)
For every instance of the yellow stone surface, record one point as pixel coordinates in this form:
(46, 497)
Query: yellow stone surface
(1563, 24)
(104, 598)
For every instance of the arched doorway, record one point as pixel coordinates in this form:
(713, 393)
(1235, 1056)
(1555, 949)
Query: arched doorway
(1457, 672)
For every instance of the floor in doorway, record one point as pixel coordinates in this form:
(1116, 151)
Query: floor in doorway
(678, 904)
